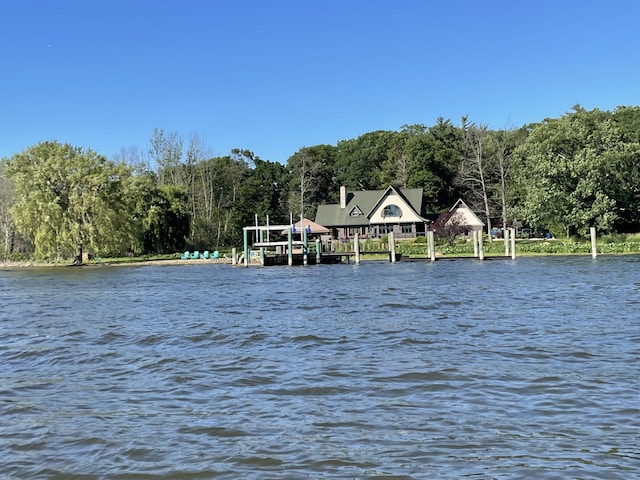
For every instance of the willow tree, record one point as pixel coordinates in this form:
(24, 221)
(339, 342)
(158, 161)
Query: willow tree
(70, 199)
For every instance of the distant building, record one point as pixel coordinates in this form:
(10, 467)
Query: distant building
(375, 213)
(462, 217)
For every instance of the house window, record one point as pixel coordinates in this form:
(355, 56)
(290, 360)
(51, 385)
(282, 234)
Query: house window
(406, 228)
(391, 211)
(384, 229)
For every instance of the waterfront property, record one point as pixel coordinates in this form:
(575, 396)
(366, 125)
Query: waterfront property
(376, 213)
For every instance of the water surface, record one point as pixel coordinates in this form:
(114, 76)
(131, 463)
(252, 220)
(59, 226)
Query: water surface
(456, 369)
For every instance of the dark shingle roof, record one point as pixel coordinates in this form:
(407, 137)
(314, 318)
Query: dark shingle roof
(331, 215)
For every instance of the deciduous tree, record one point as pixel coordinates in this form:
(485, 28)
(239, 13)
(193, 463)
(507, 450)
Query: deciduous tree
(69, 199)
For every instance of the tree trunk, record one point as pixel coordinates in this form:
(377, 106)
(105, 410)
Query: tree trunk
(78, 259)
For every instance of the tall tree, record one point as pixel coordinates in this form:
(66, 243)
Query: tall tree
(433, 163)
(473, 169)
(504, 142)
(396, 168)
(311, 178)
(165, 151)
(578, 171)
(69, 199)
(359, 161)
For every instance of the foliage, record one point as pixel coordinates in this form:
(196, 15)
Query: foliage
(311, 171)
(69, 198)
(448, 227)
(563, 175)
(579, 171)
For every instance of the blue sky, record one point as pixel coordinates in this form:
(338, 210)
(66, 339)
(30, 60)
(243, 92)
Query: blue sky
(275, 76)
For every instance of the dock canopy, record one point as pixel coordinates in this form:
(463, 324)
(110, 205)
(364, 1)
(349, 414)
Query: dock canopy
(312, 227)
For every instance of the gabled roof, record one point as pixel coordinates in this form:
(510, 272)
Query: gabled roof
(398, 192)
(366, 203)
(464, 215)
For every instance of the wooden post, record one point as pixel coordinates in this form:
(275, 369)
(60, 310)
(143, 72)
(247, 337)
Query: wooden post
(480, 246)
(246, 247)
(318, 252)
(594, 252)
(290, 246)
(513, 243)
(262, 248)
(474, 235)
(356, 248)
(234, 256)
(505, 237)
(305, 246)
(392, 247)
(432, 245)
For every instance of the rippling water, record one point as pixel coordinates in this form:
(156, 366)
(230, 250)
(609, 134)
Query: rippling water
(457, 369)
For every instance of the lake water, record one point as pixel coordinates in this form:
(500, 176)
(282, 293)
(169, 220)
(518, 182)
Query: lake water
(456, 369)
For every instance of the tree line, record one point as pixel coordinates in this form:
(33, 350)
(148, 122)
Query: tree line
(564, 174)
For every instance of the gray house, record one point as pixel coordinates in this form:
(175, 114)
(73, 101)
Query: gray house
(375, 213)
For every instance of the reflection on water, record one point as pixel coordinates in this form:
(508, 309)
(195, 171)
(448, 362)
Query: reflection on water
(495, 369)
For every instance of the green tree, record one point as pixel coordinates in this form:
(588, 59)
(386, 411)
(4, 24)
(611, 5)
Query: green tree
(311, 173)
(433, 162)
(69, 199)
(166, 220)
(359, 161)
(165, 149)
(395, 169)
(578, 171)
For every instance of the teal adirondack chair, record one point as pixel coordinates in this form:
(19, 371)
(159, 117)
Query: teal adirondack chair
(205, 254)
(185, 255)
(195, 255)
(215, 254)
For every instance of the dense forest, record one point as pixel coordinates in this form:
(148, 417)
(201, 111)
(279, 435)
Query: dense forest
(564, 175)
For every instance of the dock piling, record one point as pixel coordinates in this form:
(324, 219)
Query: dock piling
(318, 251)
(432, 245)
(392, 247)
(475, 243)
(505, 236)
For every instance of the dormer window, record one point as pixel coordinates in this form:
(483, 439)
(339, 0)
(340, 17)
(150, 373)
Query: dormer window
(391, 211)
(356, 212)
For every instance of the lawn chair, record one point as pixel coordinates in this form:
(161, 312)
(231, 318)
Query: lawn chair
(185, 255)
(205, 254)
(215, 254)
(195, 255)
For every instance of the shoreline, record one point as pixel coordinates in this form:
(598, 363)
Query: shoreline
(28, 264)
(160, 262)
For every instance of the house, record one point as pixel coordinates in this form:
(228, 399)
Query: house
(375, 213)
(463, 218)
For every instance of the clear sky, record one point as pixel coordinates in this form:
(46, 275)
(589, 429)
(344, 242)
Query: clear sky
(273, 76)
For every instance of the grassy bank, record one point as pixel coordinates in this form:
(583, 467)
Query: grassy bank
(611, 244)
